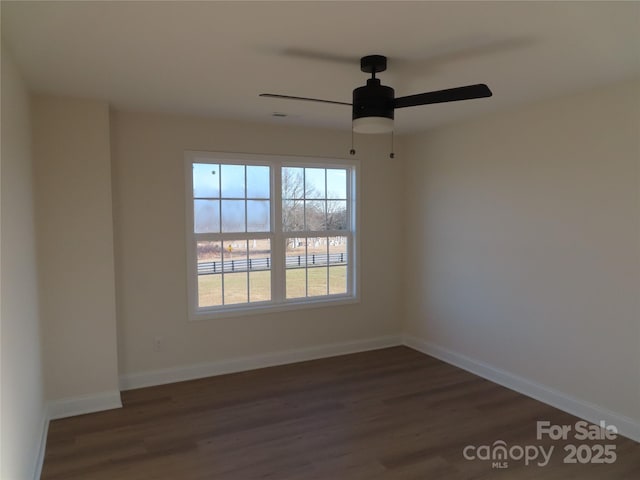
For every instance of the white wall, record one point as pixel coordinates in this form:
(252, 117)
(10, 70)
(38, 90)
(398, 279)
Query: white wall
(149, 209)
(23, 409)
(521, 247)
(525, 243)
(75, 246)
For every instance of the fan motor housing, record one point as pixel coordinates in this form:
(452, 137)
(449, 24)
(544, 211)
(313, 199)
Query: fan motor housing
(373, 100)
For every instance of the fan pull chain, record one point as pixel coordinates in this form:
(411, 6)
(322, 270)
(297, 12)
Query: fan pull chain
(352, 151)
(392, 155)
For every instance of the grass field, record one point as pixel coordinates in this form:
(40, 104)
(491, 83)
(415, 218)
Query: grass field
(259, 286)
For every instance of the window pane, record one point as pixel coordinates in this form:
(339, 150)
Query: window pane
(292, 183)
(295, 262)
(235, 256)
(209, 290)
(206, 181)
(206, 216)
(235, 288)
(209, 274)
(260, 286)
(258, 216)
(259, 270)
(235, 271)
(314, 183)
(296, 283)
(317, 278)
(338, 250)
(259, 254)
(292, 215)
(232, 181)
(295, 252)
(336, 184)
(337, 280)
(337, 215)
(258, 182)
(315, 216)
(233, 216)
(317, 251)
(337, 265)
(317, 266)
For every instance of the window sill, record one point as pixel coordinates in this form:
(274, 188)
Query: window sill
(244, 311)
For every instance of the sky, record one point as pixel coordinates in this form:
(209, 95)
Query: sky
(208, 179)
(220, 190)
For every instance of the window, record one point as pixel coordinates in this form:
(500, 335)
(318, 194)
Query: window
(269, 232)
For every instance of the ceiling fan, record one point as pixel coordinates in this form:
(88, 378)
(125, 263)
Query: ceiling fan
(374, 104)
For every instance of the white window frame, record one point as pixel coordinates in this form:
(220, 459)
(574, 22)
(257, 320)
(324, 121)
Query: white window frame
(278, 300)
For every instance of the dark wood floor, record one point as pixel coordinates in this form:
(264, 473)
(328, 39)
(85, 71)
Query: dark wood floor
(386, 414)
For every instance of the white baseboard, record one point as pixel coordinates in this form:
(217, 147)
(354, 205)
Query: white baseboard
(627, 427)
(42, 445)
(69, 407)
(191, 372)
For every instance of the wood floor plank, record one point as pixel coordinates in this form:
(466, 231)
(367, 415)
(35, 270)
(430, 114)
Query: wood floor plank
(381, 415)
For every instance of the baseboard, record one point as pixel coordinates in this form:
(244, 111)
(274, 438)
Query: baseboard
(69, 407)
(627, 427)
(191, 372)
(42, 445)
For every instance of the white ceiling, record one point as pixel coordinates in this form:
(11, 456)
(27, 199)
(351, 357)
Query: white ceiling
(214, 58)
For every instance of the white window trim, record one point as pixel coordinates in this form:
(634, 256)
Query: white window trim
(277, 235)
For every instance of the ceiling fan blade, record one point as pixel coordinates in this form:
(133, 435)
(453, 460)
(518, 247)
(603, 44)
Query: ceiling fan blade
(449, 95)
(289, 97)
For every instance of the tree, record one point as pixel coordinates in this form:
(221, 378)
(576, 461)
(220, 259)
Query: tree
(294, 193)
(336, 215)
(293, 203)
(320, 214)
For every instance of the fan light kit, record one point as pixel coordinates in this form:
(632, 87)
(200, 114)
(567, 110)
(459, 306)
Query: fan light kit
(374, 104)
